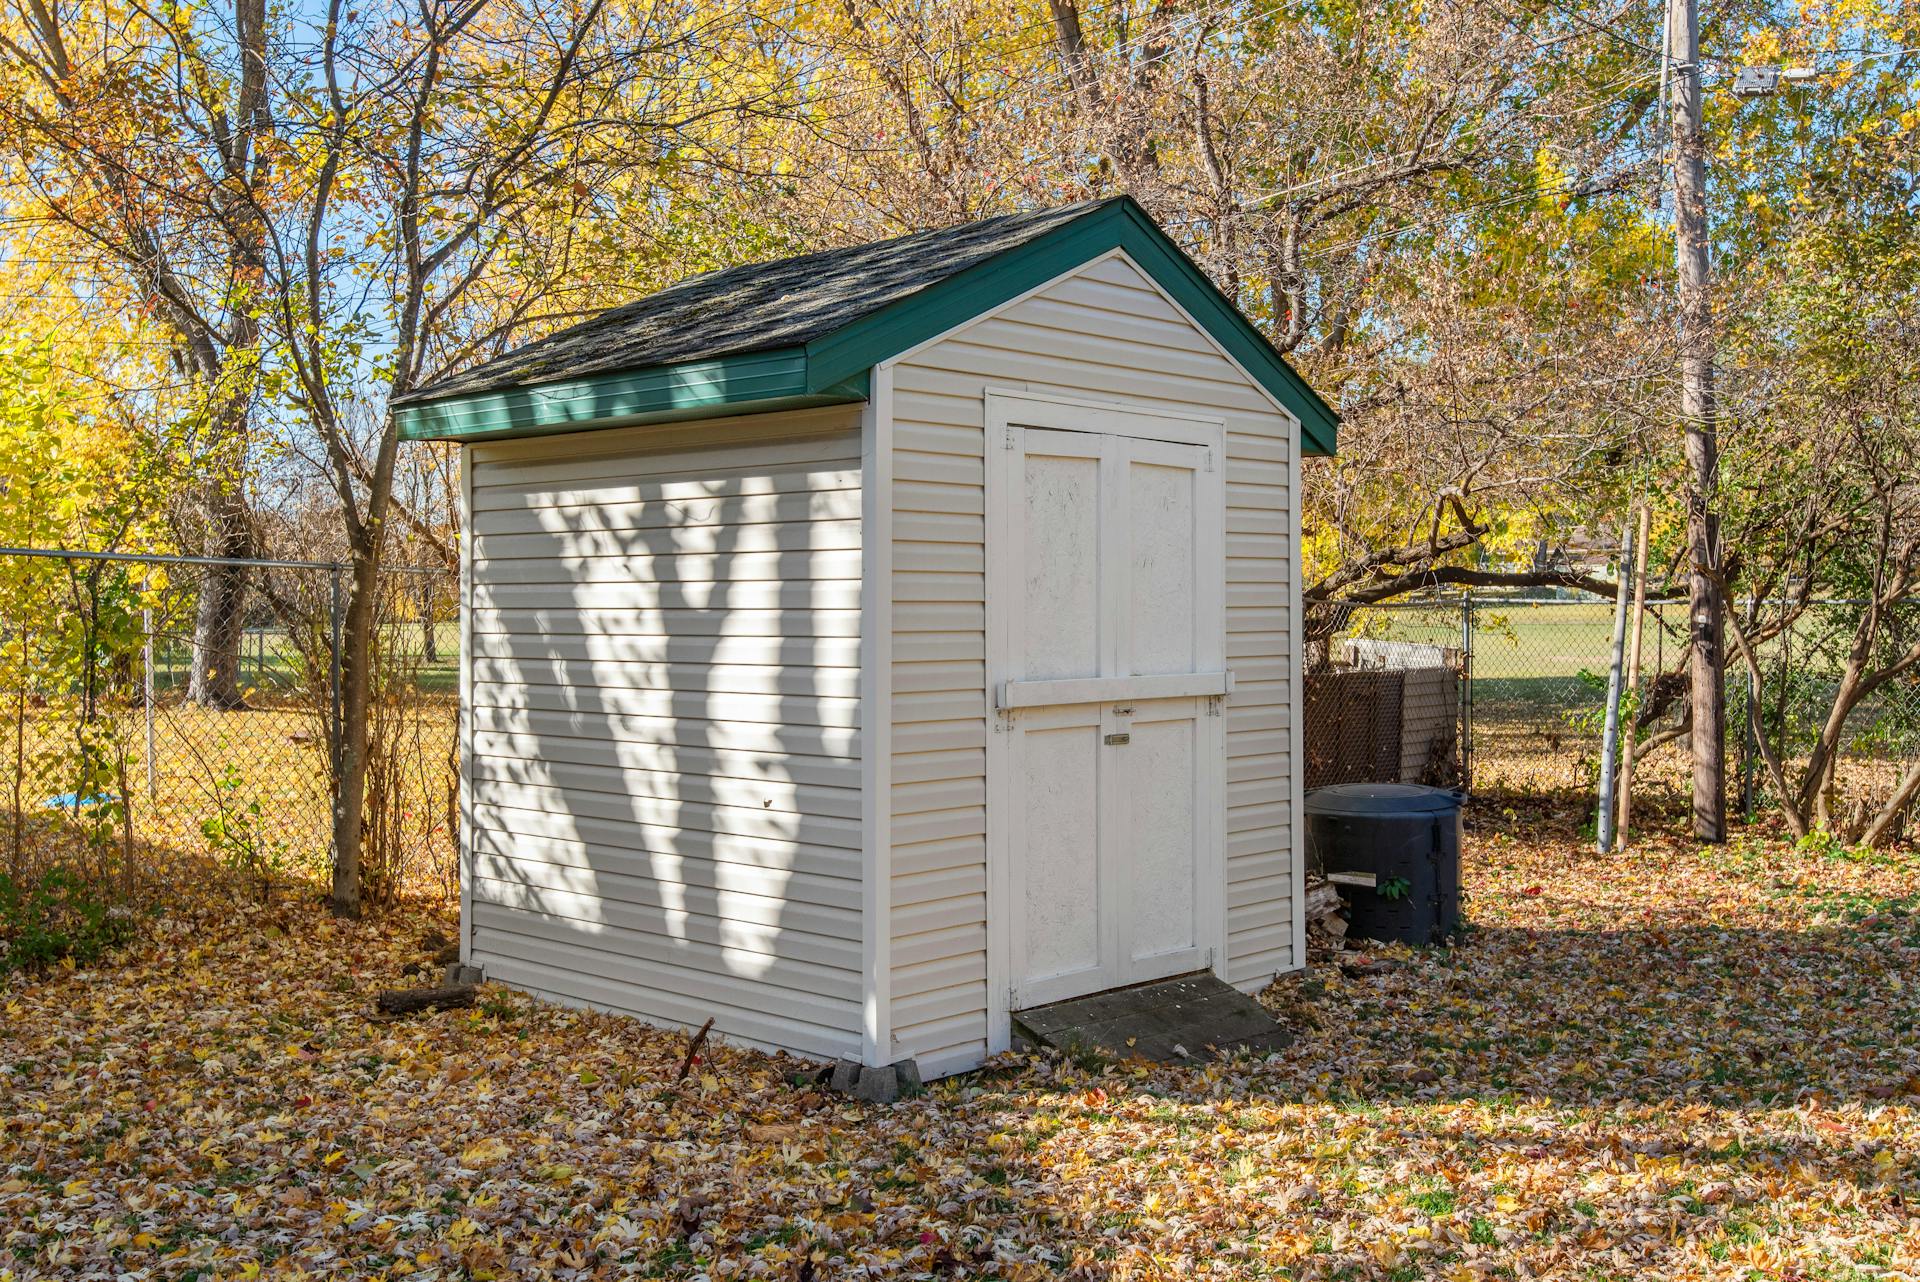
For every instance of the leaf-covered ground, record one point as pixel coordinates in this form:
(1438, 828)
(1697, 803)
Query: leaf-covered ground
(1671, 1063)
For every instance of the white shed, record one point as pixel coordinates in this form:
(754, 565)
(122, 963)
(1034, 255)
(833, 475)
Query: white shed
(860, 647)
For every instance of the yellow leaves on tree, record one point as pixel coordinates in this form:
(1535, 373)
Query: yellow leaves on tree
(77, 468)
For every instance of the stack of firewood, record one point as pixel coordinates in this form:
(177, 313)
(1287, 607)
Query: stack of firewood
(1324, 923)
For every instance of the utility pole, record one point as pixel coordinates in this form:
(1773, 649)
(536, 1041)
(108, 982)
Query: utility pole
(1698, 414)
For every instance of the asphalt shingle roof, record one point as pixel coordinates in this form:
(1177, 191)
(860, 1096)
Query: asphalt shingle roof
(756, 306)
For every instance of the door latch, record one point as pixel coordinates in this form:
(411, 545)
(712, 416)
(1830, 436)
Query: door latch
(1119, 740)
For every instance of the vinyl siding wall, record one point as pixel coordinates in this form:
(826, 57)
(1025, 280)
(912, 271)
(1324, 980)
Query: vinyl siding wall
(1104, 333)
(664, 776)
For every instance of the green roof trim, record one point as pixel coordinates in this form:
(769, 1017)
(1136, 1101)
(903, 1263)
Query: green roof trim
(834, 367)
(751, 383)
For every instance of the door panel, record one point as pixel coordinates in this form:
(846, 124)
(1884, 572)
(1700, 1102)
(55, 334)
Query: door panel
(1162, 772)
(1062, 521)
(1106, 560)
(1162, 576)
(1058, 783)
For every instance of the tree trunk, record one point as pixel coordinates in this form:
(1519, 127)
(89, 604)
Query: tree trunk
(220, 617)
(429, 642)
(1697, 410)
(1881, 830)
(1855, 685)
(1790, 804)
(356, 685)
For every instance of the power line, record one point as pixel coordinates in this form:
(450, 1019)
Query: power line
(1614, 33)
(1611, 92)
(1529, 193)
(1577, 186)
(1602, 28)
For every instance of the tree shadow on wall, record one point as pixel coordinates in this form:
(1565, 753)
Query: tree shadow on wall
(666, 818)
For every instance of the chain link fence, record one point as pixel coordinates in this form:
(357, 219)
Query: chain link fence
(164, 705)
(1521, 683)
(1801, 669)
(156, 706)
(1385, 693)
(1539, 691)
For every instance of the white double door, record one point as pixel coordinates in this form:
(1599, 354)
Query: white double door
(1107, 660)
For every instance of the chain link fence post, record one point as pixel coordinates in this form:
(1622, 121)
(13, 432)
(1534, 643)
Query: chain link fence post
(146, 682)
(336, 709)
(1466, 692)
(1749, 745)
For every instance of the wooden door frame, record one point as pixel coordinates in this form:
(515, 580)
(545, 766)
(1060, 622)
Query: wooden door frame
(1008, 409)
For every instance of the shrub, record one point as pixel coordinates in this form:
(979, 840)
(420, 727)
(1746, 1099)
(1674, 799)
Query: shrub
(237, 834)
(56, 916)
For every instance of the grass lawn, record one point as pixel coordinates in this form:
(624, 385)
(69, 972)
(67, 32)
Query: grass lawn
(270, 661)
(1673, 1063)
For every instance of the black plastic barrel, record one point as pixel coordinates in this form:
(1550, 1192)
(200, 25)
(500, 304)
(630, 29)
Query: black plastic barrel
(1393, 849)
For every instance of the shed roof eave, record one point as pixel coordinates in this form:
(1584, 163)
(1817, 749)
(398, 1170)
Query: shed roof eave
(748, 383)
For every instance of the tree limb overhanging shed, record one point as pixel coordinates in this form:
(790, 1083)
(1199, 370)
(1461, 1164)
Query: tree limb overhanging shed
(855, 646)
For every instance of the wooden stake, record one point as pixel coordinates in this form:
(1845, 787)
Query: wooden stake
(1610, 734)
(1633, 672)
(698, 1040)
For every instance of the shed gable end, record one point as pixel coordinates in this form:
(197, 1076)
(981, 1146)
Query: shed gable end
(1106, 331)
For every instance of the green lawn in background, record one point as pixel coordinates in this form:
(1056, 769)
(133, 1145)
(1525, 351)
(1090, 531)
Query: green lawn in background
(270, 662)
